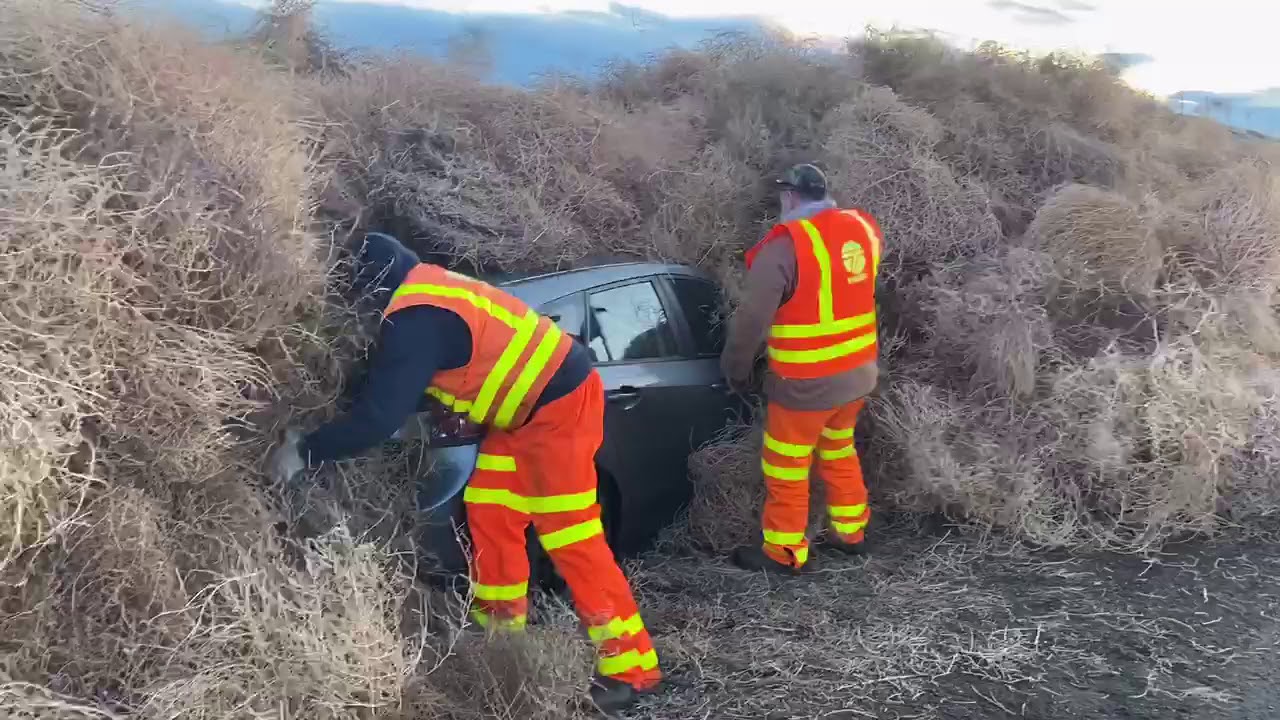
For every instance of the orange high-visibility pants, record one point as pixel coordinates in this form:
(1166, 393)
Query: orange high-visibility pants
(545, 473)
(790, 441)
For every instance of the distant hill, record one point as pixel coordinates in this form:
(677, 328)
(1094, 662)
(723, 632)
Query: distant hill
(524, 46)
(1259, 112)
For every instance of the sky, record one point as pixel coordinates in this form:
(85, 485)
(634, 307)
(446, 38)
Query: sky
(1220, 46)
(1224, 47)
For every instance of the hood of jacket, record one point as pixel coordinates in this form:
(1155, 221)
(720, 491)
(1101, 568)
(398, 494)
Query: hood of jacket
(381, 266)
(808, 210)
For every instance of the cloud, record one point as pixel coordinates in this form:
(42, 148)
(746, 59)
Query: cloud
(1032, 14)
(1077, 5)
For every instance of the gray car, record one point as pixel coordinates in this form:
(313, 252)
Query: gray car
(655, 334)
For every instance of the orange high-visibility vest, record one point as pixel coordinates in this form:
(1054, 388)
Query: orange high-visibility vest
(514, 350)
(828, 325)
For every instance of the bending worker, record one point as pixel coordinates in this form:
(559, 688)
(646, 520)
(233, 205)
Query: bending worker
(484, 353)
(810, 299)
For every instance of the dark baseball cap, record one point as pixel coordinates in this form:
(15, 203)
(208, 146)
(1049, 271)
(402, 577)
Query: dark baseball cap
(807, 180)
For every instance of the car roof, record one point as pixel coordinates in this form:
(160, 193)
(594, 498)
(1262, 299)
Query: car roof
(538, 289)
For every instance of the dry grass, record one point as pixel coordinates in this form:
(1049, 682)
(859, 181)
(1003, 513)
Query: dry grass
(937, 623)
(495, 177)
(1077, 315)
(1225, 227)
(726, 494)
(164, 287)
(881, 156)
(1099, 238)
(542, 675)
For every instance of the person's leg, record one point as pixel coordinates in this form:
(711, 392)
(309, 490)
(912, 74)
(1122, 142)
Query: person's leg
(841, 470)
(561, 443)
(497, 518)
(789, 440)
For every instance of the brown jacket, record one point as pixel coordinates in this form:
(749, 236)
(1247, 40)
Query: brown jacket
(771, 281)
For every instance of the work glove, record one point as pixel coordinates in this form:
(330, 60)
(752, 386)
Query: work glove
(286, 463)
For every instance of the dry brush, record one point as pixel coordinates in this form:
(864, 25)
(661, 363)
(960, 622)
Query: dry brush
(1077, 323)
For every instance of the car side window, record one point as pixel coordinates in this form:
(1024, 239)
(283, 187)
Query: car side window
(704, 311)
(570, 314)
(630, 324)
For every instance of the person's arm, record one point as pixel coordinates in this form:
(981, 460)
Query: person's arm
(769, 281)
(407, 357)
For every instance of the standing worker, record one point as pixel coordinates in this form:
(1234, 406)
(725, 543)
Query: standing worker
(810, 299)
(484, 353)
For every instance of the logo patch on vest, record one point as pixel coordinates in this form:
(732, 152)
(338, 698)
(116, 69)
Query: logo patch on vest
(855, 261)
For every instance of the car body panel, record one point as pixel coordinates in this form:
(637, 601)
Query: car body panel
(451, 468)
(440, 512)
(656, 414)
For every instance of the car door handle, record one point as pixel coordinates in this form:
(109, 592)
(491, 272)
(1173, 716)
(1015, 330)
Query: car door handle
(625, 396)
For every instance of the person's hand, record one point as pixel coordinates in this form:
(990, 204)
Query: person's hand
(286, 462)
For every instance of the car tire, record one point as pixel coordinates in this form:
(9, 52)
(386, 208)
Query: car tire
(610, 510)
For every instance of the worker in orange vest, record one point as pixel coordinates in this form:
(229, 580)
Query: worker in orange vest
(484, 353)
(810, 300)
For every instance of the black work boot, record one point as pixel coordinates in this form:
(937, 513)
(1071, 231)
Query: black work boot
(857, 549)
(612, 696)
(753, 557)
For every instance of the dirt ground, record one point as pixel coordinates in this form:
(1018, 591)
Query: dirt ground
(940, 624)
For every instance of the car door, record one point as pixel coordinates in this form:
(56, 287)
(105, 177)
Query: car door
(655, 390)
(700, 306)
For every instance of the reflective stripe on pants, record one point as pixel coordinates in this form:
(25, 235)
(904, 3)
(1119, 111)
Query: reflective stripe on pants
(498, 623)
(829, 433)
(550, 482)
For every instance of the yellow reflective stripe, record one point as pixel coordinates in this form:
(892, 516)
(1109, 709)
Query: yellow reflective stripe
(615, 629)
(499, 313)
(562, 503)
(787, 449)
(541, 355)
(837, 433)
(448, 400)
(874, 239)
(529, 505)
(839, 350)
(571, 535)
(801, 554)
(629, 660)
(500, 592)
(774, 537)
(846, 510)
(512, 624)
(495, 496)
(838, 453)
(848, 528)
(497, 463)
(826, 313)
(837, 327)
(784, 473)
(501, 369)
